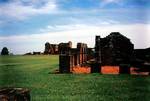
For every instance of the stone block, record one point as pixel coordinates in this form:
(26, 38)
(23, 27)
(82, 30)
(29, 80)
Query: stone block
(65, 63)
(14, 94)
(124, 69)
(95, 68)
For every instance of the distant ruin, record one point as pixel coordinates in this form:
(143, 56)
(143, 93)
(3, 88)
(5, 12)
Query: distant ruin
(51, 48)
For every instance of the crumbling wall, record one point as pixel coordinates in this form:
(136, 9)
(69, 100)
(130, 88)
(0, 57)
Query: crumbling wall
(96, 64)
(65, 57)
(65, 63)
(116, 49)
(82, 50)
(70, 57)
(51, 48)
(113, 50)
(142, 54)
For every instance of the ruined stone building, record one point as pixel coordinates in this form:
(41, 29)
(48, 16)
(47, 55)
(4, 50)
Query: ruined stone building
(114, 49)
(70, 57)
(37, 53)
(142, 59)
(51, 48)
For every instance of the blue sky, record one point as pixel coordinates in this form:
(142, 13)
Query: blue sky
(25, 25)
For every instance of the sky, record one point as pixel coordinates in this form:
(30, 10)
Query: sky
(26, 25)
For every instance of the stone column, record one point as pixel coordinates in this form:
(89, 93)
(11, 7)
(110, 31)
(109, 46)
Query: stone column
(65, 63)
(98, 49)
(96, 65)
(124, 69)
(65, 58)
(95, 68)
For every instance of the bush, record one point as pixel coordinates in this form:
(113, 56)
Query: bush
(5, 51)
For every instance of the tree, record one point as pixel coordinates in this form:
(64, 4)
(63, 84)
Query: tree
(5, 51)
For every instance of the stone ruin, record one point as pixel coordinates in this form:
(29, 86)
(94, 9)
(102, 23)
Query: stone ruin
(51, 48)
(96, 64)
(142, 54)
(37, 53)
(65, 57)
(112, 50)
(33, 53)
(14, 94)
(116, 49)
(70, 57)
(142, 60)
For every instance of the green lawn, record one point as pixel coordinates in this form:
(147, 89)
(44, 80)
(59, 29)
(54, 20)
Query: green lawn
(35, 73)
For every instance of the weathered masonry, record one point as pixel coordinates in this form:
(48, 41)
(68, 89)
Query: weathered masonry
(96, 64)
(70, 57)
(113, 50)
(51, 48)
(116, 49)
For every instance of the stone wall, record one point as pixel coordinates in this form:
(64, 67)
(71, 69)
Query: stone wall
(71, 57)
(112, 50)
(142, 54)
(51, 48)
(116, 49)
(82, 52)
(65, 57)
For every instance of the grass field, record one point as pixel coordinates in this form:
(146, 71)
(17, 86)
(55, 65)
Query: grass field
(35, 73)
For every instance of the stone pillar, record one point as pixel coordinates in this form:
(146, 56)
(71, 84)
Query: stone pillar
(124, 69)
(98, 49)
(75, 59)
(84, 53)
(65, 58)
(95, 68)
(47, 48)
(65, 63)
(79, 51)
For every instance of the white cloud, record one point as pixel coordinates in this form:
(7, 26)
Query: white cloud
(56, 28)
(111, 1)
(138, 33)
(76, 24)
(20, 10)
(105, 2)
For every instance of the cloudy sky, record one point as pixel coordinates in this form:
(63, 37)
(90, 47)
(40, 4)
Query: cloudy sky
(26, 25)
